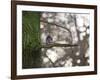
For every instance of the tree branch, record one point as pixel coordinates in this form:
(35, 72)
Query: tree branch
(58, 45)
(44, 21)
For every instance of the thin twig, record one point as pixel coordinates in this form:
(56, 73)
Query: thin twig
(48, 58)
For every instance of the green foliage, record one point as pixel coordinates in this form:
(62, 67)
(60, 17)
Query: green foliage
(31, 39)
